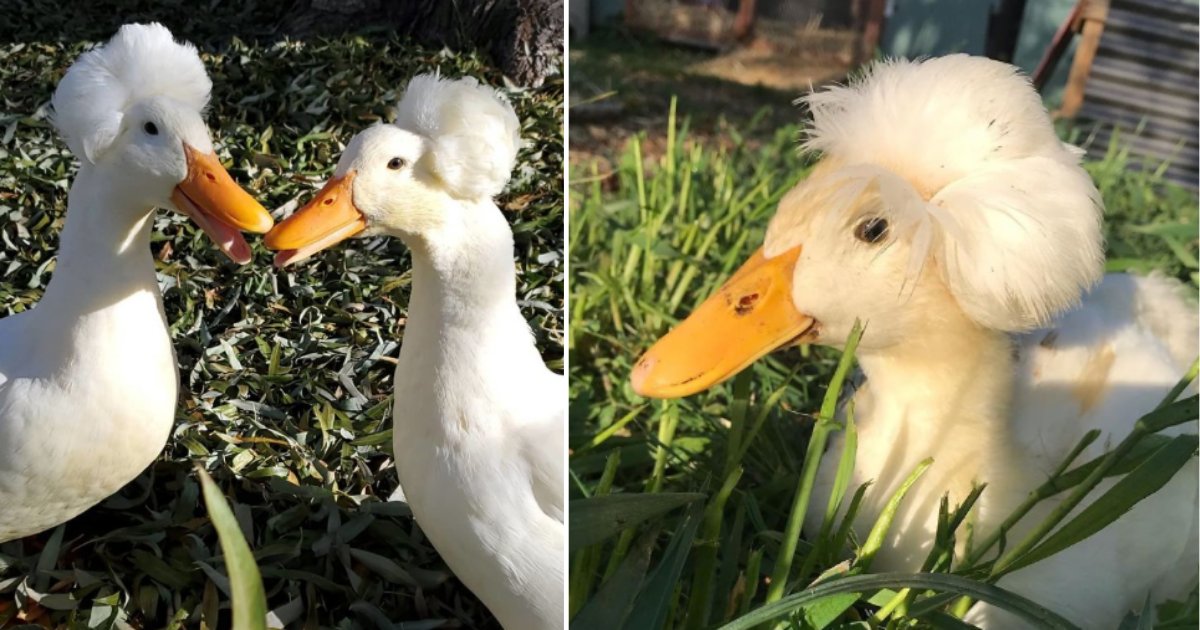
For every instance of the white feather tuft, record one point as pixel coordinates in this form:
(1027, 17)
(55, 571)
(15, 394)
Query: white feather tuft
(139, 62)
(1015, 218)
(473, 132)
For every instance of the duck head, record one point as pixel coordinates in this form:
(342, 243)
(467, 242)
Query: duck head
(131, 111)
(453, 145)
(942, 193)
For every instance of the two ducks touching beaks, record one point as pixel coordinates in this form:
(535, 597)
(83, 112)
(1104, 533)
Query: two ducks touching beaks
(88, 377)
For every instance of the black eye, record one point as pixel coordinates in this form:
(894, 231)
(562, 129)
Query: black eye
(151, 128)
(871, 230)
(396, 163)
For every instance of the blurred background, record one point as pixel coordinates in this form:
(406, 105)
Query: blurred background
(1125, 67)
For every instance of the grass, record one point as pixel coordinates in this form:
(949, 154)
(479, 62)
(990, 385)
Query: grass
(285, 376)
(719, 481)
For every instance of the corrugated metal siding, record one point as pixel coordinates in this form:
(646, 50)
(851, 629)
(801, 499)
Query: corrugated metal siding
(1143, 85)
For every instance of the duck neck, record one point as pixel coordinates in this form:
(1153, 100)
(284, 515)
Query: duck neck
(464, 288)
(948, 388)
(103, 255)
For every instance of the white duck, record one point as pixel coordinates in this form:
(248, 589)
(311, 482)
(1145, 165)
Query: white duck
(948, 217)
(479, 420)
(88, 376)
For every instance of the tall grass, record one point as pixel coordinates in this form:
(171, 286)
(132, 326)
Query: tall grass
(687, 513)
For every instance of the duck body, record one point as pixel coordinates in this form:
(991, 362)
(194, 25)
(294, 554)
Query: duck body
(479, 421)
(87, 377)
(1099, 366)
(478, 424)
(947, 217)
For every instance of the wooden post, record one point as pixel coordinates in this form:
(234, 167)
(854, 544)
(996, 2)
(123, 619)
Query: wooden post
(1094, 13)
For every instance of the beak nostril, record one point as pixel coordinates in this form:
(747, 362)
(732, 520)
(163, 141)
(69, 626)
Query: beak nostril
(746, 303)
(211, 177)
(328, 201)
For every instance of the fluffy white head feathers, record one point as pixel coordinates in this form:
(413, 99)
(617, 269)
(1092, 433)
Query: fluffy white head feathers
(473, 132)
(962, 150)
(139, 62)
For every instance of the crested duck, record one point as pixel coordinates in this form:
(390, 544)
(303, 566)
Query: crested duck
(88, 376)
(947, 216)
(478, 418)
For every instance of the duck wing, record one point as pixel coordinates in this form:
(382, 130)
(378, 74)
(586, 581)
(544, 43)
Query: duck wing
(541, 445)
(1102, 366)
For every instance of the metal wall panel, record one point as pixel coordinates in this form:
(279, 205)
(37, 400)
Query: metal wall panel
(1143, 86)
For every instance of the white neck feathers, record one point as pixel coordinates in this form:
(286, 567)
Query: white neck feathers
(103, 255)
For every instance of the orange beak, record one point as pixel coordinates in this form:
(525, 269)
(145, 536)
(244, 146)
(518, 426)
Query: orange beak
(749, 316)
(218, 205)
(328, 219)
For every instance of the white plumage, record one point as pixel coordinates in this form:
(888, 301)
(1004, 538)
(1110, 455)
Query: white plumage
(946, 215)
(478, 420)
(474, 132)
(140, 62)
(88, 377)
(963, 156)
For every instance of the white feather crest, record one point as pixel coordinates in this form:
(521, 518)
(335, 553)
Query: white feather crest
(473, 132)
(1015, 219)
(139, 62)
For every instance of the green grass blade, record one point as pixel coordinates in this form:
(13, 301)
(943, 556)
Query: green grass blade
(655, 602)
(1144, 481)
(706, 554)
(1169, 414)
(249, 601)
(587, 561)
(845, 469)
(826, 611)
(825, 547)
(666, 435)
(612, 429)
(847, 524)
(1037, 615)
(823, 612)
(612, 603)
(599, 518)
(1188, 377)
(882, 524)
(808, 474)
(48, 558)
(753, 578)
(1179, 615)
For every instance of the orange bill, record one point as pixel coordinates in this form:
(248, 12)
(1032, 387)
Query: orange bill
(749, 316)
(328, 219)
(218, 205)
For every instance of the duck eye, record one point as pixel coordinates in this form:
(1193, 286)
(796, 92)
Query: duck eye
(871, 230)
(151, 128)
(396, 163)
